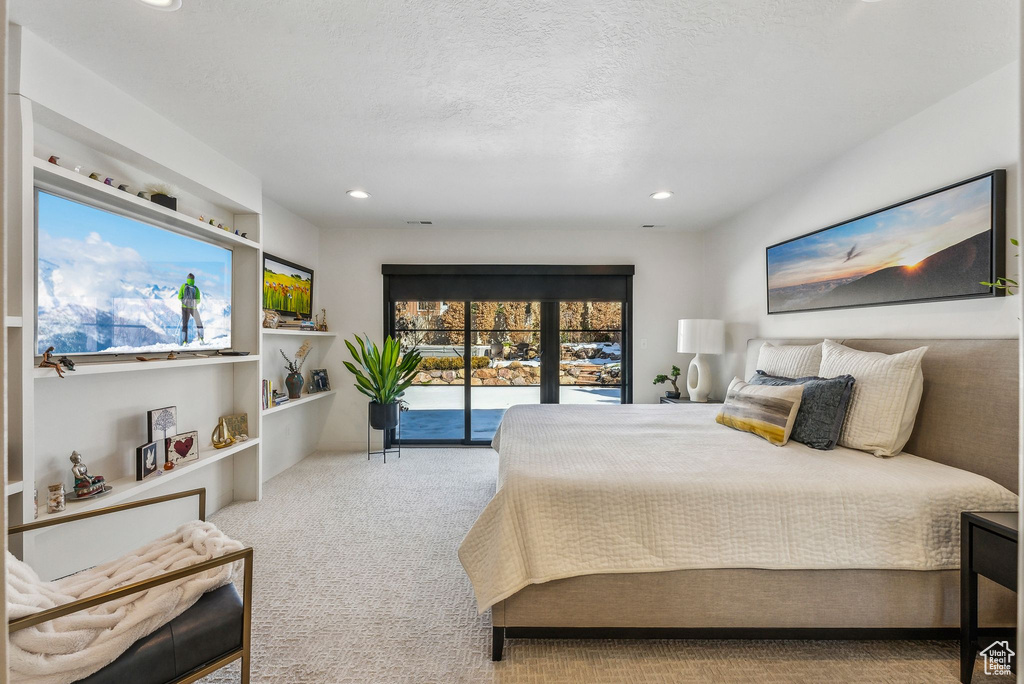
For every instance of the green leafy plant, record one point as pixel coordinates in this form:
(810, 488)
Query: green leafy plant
(384, 374)
(672, 377)
(1007, 284)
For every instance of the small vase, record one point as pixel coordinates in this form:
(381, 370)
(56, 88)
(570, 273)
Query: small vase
(294, 384)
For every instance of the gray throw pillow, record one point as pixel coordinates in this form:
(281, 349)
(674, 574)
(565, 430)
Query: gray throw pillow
(822, 410)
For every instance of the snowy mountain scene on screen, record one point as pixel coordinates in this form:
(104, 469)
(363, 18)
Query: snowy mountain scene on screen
(108, 284)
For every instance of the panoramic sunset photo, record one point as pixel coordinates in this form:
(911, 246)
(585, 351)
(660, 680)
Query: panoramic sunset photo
(936, 246)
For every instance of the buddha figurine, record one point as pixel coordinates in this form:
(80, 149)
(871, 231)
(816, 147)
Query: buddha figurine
(85, 484)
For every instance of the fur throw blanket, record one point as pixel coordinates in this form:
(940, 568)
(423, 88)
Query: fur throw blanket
(74, 646)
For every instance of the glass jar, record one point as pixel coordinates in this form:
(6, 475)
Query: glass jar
(57, 500)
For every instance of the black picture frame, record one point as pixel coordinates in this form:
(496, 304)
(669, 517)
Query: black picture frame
(147, 460)
(284, 262)
(157, 433)
(997, 247)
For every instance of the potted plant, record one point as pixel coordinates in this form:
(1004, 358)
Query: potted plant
(672, 377)
(383, 375)
(294, 380)
(162, 194)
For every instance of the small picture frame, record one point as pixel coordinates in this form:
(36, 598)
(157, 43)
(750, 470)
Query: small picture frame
(319, 382)
(183, 448)
(162, 423)
(146, 461)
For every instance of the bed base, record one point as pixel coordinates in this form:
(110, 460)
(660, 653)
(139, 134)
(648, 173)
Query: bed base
(499, 634)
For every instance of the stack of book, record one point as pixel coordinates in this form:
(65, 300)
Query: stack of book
(296, 324)
(279, 397)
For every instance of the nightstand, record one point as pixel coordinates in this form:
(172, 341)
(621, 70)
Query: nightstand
(988, 546)
(681, 400)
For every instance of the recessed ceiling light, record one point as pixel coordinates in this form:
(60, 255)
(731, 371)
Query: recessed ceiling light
(661, 194)
(163, 5)
(359, 194)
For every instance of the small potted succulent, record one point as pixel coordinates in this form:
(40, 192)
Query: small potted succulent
(383, 375)
(672, 377)
(294, 380)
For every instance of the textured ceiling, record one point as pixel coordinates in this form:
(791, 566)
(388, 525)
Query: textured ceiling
(524, 113)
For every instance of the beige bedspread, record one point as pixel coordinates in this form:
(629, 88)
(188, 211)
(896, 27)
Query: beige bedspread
(643, 488)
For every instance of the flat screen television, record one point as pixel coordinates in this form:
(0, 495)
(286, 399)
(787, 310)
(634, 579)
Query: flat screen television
(110, 284)
(287, 287)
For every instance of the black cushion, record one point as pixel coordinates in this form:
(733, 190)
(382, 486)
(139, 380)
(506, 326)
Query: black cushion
(206, 631)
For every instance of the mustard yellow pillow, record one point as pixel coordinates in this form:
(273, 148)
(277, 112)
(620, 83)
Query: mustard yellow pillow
(767, 411)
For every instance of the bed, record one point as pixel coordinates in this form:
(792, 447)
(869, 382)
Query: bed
(653, 521)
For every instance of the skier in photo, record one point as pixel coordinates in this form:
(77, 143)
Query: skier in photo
(189, 296)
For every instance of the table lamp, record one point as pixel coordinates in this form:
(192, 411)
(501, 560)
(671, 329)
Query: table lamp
(700, 336)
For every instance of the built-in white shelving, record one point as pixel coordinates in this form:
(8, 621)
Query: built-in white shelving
(14, 487)
(307, 333)
(125, 366)
(127, 488)
(62, 178)
(13, 321)
(292, 403)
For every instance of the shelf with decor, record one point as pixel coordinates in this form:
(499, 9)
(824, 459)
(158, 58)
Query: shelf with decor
(63, 179)
(101, 367)
(126, 488)
(103, 417)
(292, 403)
(308, 333)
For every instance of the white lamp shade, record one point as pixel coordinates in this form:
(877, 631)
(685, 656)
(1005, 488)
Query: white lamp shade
(701, 336)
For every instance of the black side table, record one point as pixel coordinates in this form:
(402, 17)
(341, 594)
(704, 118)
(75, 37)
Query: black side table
(988, 546)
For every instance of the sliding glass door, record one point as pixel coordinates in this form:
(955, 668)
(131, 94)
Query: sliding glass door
(482, 356)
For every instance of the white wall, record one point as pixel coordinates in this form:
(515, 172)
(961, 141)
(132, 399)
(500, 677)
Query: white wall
(969, 133)
(665, 288)
(289, 436)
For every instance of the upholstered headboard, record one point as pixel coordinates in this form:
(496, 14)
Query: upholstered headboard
(968, 415)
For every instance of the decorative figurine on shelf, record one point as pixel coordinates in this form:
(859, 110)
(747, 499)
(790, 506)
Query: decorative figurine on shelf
(67, 363)
(95, 176)
(78, 168)
(245, 235)
(321, 320)
(109, 181)
(201, 219)
(142, 194)
(53, 160)
(122, 187)
(171, 356)
(86, 485)
(212, 223)
(221, 436)
(48, 362)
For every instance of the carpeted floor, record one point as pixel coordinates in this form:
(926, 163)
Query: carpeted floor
(357, 580)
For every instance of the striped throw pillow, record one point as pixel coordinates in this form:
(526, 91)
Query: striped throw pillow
(764, 410)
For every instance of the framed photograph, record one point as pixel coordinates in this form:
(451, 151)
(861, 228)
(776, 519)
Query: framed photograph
(318, 381)
(941, 245)
(238, 424)
(146, 461)
(162, 423)
(183, 448)
(287, 287)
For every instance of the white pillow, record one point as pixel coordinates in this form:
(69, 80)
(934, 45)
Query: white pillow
(789, 360)
(886, 396)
